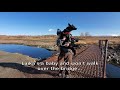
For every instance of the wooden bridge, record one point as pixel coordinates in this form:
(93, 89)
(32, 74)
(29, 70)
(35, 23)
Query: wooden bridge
(92, 59)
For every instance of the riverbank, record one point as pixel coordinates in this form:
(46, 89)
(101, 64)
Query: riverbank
(50, 47)
(13, 65)
(49, 41)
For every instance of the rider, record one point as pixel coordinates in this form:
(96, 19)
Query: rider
(66, 53)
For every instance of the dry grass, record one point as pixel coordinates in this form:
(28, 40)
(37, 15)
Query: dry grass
(40, 41)
(95, 39)
(49, 41)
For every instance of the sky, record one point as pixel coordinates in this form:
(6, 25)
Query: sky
(47, 23)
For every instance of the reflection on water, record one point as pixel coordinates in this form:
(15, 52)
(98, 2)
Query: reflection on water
(26, 50)
(112, 71)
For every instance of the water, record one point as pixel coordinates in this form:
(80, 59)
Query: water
(33, 52)
(112, 71)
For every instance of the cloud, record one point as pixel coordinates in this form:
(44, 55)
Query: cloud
(114, 34)
(50, 30)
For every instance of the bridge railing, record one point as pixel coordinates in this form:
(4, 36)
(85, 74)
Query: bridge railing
(103, 45)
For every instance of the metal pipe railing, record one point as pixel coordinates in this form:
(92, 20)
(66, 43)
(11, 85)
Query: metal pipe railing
(103, 45)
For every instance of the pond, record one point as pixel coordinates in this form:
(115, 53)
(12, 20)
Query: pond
(31, 51)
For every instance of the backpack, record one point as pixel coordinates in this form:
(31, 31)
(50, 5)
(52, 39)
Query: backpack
(59, 41)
